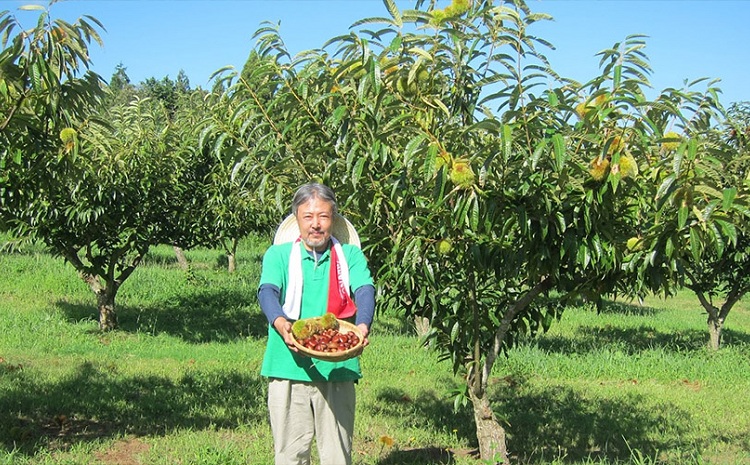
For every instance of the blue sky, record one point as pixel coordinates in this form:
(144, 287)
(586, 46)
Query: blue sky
(155, 38)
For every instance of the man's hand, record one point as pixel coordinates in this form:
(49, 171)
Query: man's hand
(365, 331)
(284, 328)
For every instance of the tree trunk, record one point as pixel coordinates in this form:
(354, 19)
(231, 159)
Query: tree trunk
(231, 263)
(490, 434)
(421, 325)
(715, 325)
(232, 257)
(107, 315)
(105, 300)
(181, 258)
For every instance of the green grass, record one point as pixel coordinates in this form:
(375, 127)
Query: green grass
(179, 382)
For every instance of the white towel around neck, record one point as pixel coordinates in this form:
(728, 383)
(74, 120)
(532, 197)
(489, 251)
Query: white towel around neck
(293, 295)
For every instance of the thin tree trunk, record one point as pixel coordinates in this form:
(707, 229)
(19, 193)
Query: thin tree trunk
(490, 433)
(716, 318)
(421, 325)
(105, 301)
(231, 263)
(715, 325)
(181, 258)
(107, 315)
(232, 257)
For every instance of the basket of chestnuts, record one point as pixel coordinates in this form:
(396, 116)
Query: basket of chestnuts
(327, 338)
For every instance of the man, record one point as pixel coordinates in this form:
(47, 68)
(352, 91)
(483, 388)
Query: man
(306, 273)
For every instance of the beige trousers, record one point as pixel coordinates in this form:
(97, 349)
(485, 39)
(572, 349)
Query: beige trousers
(299, 410)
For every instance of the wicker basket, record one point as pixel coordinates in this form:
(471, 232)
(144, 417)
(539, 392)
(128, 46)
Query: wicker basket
(344, 327)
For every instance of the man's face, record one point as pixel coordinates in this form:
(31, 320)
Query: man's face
(315, 219)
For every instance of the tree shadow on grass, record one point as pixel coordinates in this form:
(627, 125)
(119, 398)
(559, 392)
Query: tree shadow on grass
(634, 340)
(201, 316)
(629, 309)
(95, 403)
(421, 456)
(631, 340)
(426, 412)
(561, 424)
(552, 424)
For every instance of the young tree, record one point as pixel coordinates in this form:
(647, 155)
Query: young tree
(98, 185)
(697, 233)
(481, 181)
(471, 214)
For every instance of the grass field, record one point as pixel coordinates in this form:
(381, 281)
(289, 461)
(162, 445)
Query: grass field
(179, 382)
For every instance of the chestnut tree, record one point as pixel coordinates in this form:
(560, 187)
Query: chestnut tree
(97, 184)
(481, 181)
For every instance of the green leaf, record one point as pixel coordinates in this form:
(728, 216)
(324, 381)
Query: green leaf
(692, 147)
(695, 244)
(682, 216)
(455, 330)
(489, 125)
(422, 53)
(617, 77)
(729, 196)
(729, 230)
(538, 152)
(474, 218)
(359, 168)
(666, 187)
(712, 192)
(442, 106)
(394, 11)
(552, 99)
(396, 44)
(558, 144)
(507, 141)
(584, 256)
(669, 247)
(719, 241)
(677, 163)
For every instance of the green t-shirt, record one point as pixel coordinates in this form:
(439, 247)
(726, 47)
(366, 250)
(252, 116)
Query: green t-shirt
(279, 361)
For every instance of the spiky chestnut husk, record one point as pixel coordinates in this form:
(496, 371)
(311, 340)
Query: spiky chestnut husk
(628, 166)
(673, 141)
(461, 173)
(598, 168)
(583, 108)
(68, 135)
(329, 321)
(438, 16)
(442, 159)
(444, 246)
(300, 330)
(616, 145)
(314, 325)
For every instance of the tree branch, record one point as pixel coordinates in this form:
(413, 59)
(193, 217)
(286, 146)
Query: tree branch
(708, 306)
(521, 304)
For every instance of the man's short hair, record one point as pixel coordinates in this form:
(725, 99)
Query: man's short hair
(313, 190)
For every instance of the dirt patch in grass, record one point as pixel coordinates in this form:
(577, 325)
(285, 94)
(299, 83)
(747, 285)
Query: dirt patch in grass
(125, 452)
